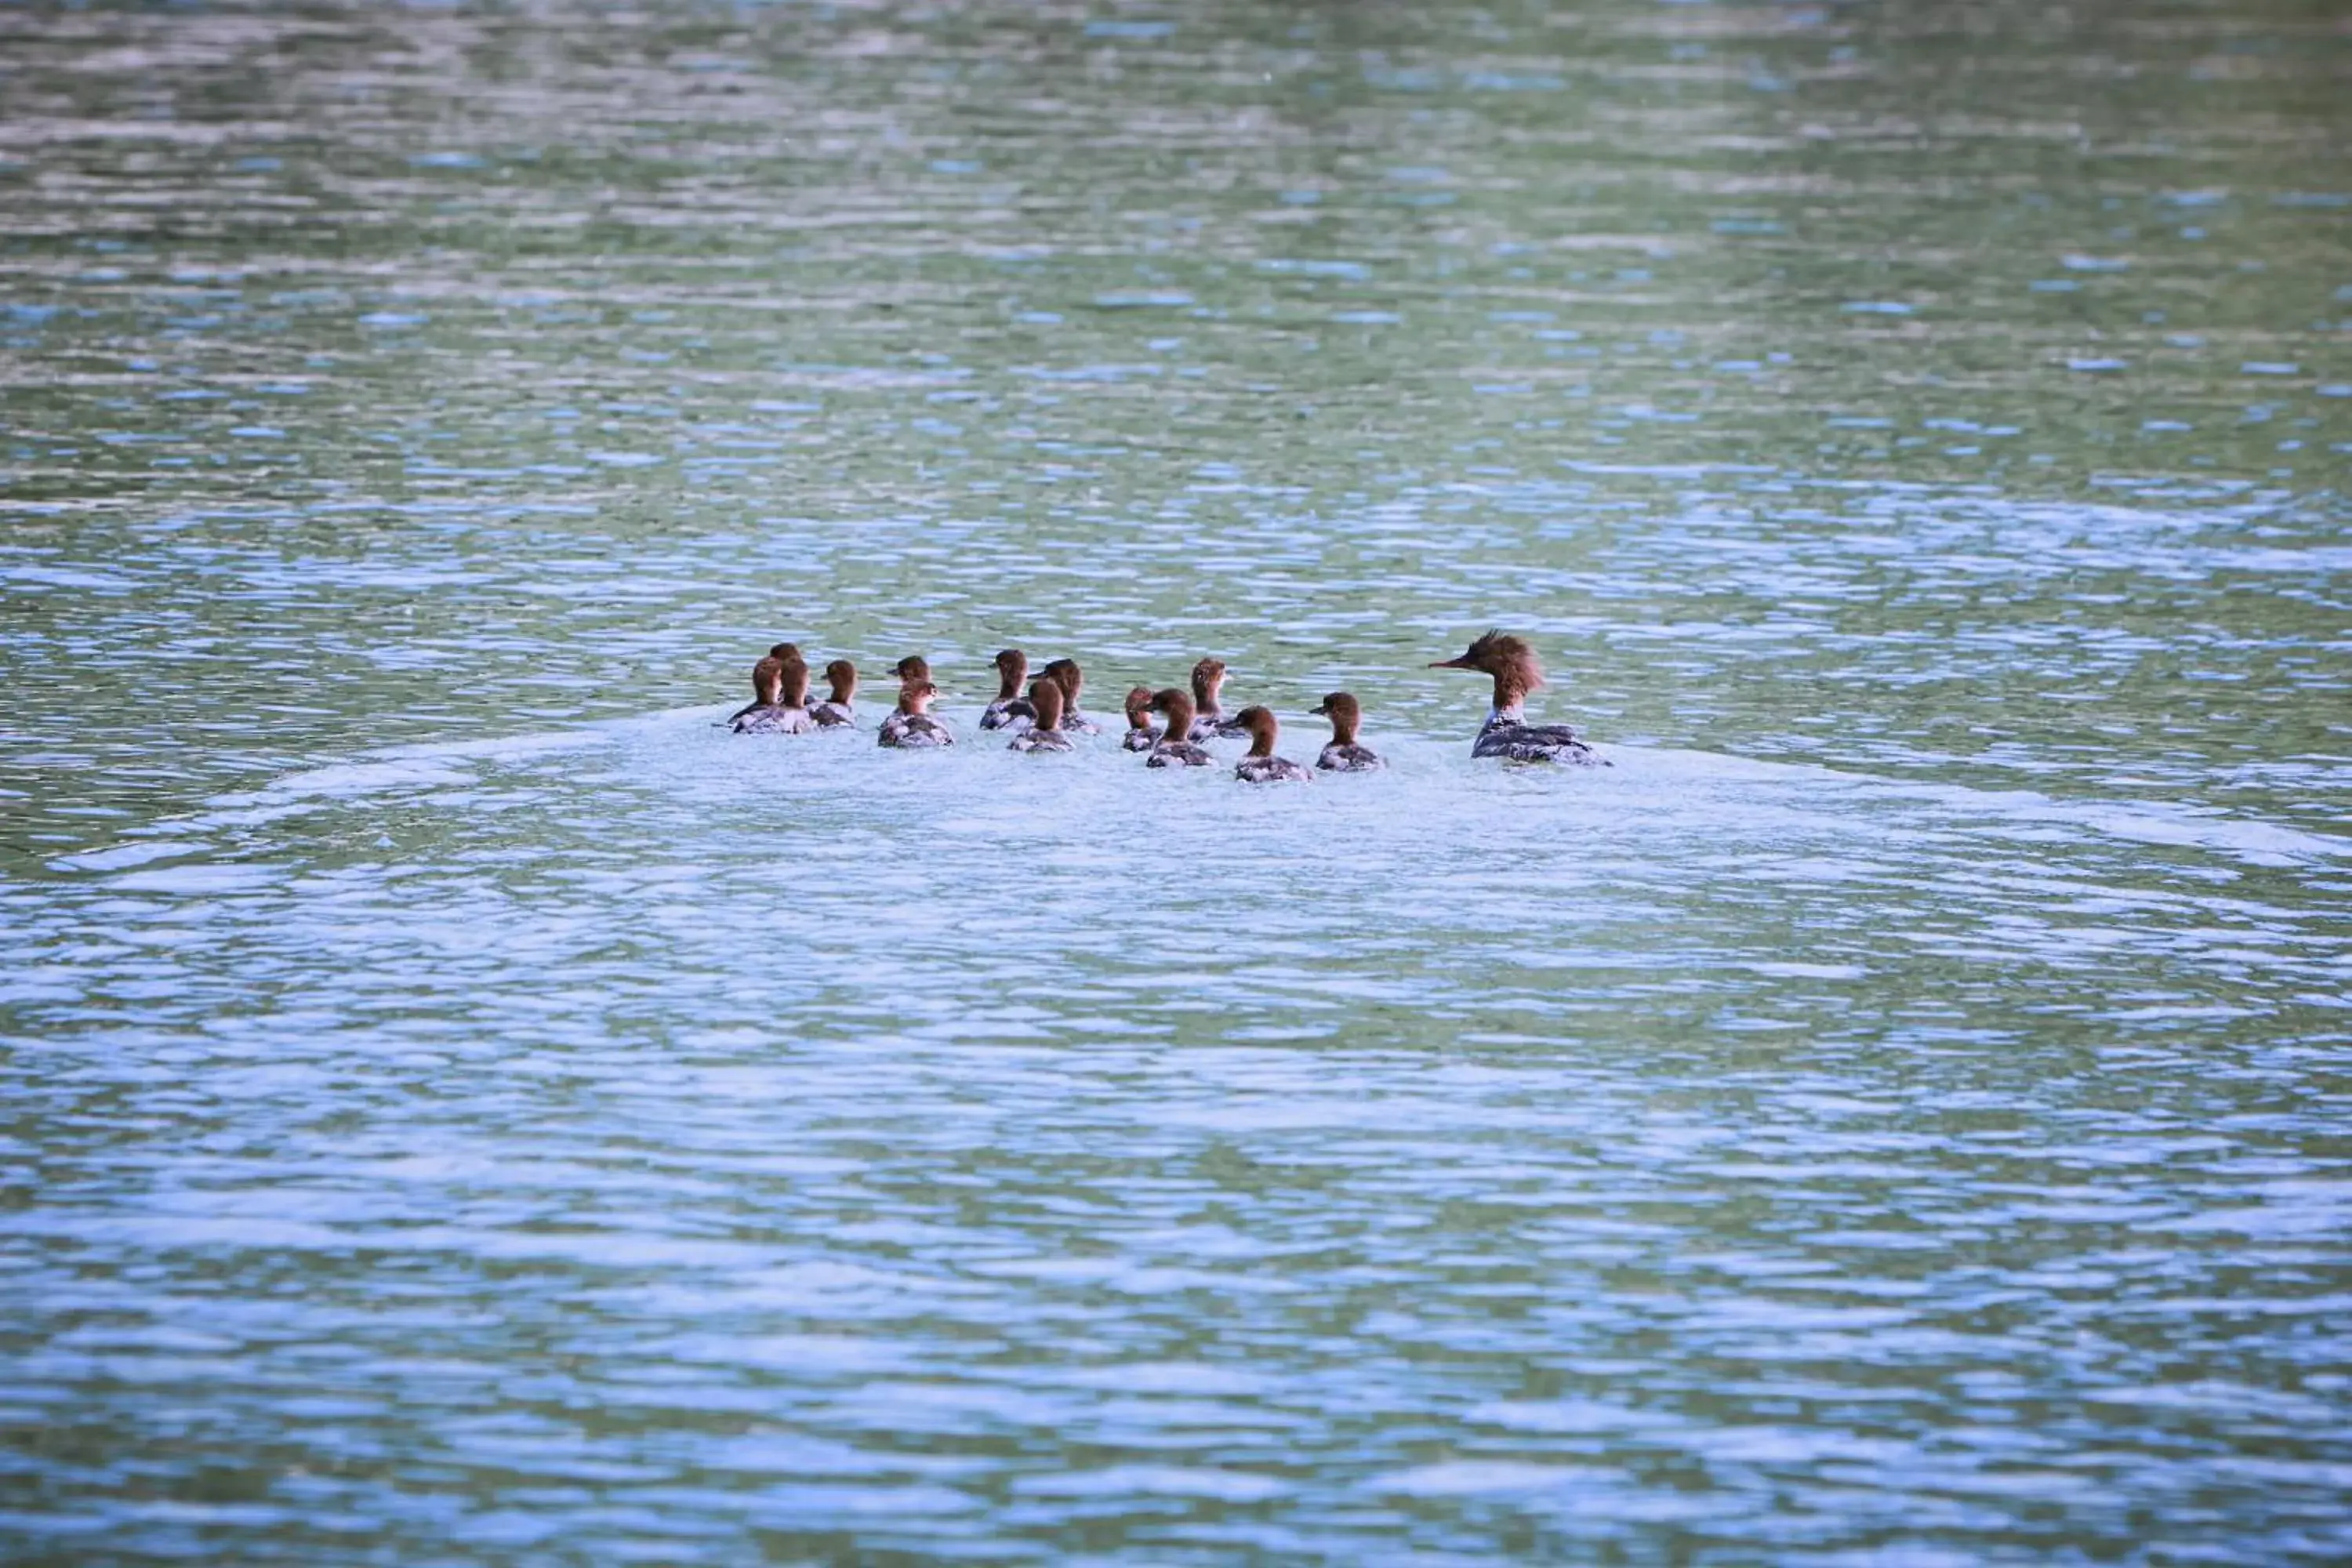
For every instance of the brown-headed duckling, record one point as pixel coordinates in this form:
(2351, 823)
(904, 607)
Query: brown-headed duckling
(1262, 766)
(911, 725)
(835, 711)
(1343, 754)
(1065, 673)
(770, 664)
(1175, 750)
(1010, 710)
(1046, 734)
(780, 681)
(1140, 736)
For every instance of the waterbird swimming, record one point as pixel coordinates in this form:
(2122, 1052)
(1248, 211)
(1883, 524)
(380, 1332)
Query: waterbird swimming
(1507, 732)
(1343, 754)
(1065, 673)
(771, 665)
(780, 683)
(1010, 710)
(1209, 720)
(1046, 734)
(1176, 749)
(1140, 736)
(912, 725)
(836, 711)
(1262, 766)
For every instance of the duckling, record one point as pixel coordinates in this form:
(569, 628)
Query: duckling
(1174, 751)
(1343, 755)
(912, 725)
(1046, 734)
(835, 712)
(782, 689)
(772, 664)
(1262, 766)
(1065, 673)
(1140, 736)
(1210, 722)
(1010, 709)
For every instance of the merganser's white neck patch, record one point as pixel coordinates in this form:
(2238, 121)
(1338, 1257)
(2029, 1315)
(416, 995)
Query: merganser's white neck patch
(1516, 713)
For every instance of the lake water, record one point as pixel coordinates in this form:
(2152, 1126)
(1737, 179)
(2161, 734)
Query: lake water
(460, 1105)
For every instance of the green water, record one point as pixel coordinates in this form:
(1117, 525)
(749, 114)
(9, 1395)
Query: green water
(459, 1105)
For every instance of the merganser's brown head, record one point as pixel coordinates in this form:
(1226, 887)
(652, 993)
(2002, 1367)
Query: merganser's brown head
(1177, 706)
(1138, 708)
(1065, 673)
(770, 671)
(1046, 696)
(915, 696)
(842, 674)
(1510, 661)
(1012, 669)
(914, 666)
(1341, 708)
(1207, 677)
(1263, 726)
(793, 680)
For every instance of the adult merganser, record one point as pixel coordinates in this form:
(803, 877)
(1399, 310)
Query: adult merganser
(1174, 749)
(1046, 733)
(1209, 720)
(1140, 736)
(782, 683)
(834, 711)
(1507, 732)
(1010, 709)
(1262, 766)
(770, 666)
(911, 725)
(1343, 755)
(1065, 673)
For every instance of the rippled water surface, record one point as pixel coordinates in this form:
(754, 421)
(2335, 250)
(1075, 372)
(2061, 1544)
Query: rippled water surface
(460, 1105)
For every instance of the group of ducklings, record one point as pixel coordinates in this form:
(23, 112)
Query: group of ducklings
(1043, 718)
(1043, 714)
